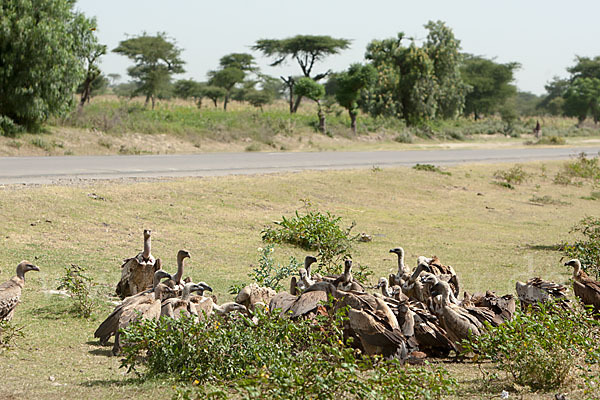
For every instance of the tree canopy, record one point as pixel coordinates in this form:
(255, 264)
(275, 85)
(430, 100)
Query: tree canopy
(349, 85)
(41, 62)
(491, 85)
(233, 70)
(306, 50)
(314, 91)
(156, 59)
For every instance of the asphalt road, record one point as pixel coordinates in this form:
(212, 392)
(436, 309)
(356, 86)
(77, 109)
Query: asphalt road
(55, 169)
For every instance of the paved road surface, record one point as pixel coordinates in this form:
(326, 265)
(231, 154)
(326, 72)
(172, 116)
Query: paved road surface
(52, 169)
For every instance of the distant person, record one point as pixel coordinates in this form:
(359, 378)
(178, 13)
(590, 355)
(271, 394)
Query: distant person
(537, 131)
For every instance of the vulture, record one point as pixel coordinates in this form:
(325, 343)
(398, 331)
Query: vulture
(395, 292)
(403, 270)
(282, 301)
(538, 290)
(414, 287)
(431, 337)
(503, 306)
(148, 306)
(587, 289)
(297, 286)
(203, 304)
(430, 282)
(110, 325)
(345, 281)
(137, 272)
(230, 307)
(175, 307)
(176, 282)
(458, 322)
(252, 294)
(10, 291)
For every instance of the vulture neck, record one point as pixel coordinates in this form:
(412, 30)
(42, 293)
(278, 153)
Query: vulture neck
(417, 272)
(307, 264)
(21, 275)
(401, 267)
(146, 252)
(577, 271)
(185, 295)
(179, 274)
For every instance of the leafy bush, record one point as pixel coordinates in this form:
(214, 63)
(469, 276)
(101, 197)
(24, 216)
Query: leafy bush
(548, 140)
(268, 273)
(587, 247)
(79, 285)
(514, 176)
(430, 168)
(8, 334)
(271, 358)
(314, 231)
(542, 348)
(581, 168)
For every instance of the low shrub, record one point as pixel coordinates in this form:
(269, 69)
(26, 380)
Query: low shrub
(269, 273)
(580, 169)
(548, 140)
(513, 176)
(587, 246)
(543, 347)
(9, 334)
(271, 358)
(78, 284)
(430, 168)
(314, 230)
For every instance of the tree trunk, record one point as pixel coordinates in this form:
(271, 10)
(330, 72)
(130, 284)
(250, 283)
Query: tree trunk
(321, 114)
(289, 82)
(225, 103)
(147, 100)
(153, 101)
(353, 114)
(297, 103)
(215, 102)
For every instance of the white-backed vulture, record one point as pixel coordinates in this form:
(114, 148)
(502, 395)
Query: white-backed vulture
(431, 337)
(252, 294)
(403, 270)
(395, 292)
(10, 291)
(537, 290)
(147, 307)
(455, 320)
(176, 307)
(282, 301)
(137, 272)
(587, 289)
(229, 307)
(297, 286)
(503, 306)
(345, 281)
(110, 325)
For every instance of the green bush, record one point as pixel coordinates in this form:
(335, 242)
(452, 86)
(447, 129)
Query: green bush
(587, 247)
(269, 273)
(430, 168)
(271, 358)
(542, 348)
(79, 285)
(548, 140)
(582, 168)
(8, 334)
(314, 231)
(513, 176)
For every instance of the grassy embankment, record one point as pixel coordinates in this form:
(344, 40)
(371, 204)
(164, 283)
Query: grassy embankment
(109, 125)
(492, 236)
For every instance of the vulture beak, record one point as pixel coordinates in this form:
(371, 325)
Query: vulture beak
(34, 268)
(204, 286)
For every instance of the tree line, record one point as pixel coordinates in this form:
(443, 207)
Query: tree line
(49, 51)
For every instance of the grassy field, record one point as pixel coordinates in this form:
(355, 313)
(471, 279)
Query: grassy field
(491, 235)
(109, 125)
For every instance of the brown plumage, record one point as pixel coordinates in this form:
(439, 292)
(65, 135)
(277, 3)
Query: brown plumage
(537, 290)
(586, 288)
(253, 294)
(137, 272)
(282, 301)
(110, 325)
(431, 337)
(10, 291)
(176, 307)
(229, 307)
(346, 281)
(147, 307)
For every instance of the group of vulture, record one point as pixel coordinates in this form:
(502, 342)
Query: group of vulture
(415, 314)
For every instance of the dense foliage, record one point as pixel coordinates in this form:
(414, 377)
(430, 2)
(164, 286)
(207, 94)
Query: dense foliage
(41, 61)
(542, 347)
(268, 273)
(271, 358)
(315, 231)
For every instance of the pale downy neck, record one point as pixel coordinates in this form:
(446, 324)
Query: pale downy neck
(401, 267)
(147, 245)
(187, 290)
(385, 288)
(348, 272)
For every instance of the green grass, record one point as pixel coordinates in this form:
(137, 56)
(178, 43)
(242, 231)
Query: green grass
(491, 236)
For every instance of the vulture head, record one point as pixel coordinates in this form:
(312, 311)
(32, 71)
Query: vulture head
(25, 266)
(575, 264)
(308, 260)
(182, 254)
(201, 287)
(147, 233)
(347, 266)
(160, 274)
(397, 250)
(382, 283)
(303, 273)
(429, 279)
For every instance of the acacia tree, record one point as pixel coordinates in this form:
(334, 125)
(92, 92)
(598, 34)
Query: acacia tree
(582, 98)
(314, 91)
(156, 59)
(349, 85)
(306, 50)
(233, 70)
(90, 52)
(40, 61)
(491, 85)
